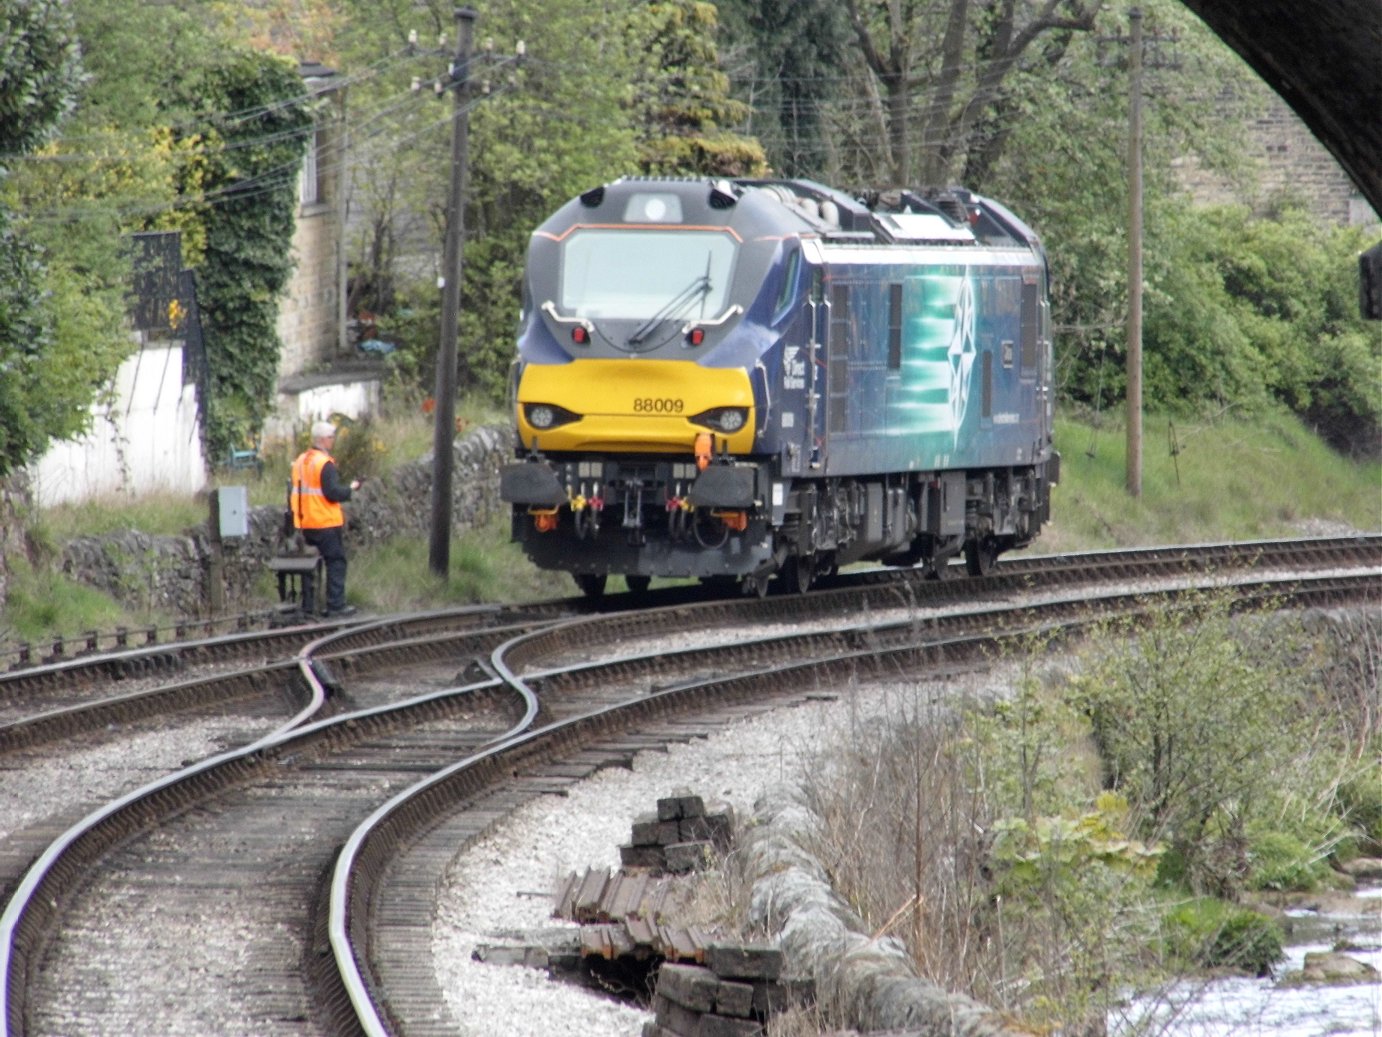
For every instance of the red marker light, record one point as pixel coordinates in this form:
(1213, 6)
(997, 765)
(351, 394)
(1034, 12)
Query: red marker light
(696, 336)
(579, 335)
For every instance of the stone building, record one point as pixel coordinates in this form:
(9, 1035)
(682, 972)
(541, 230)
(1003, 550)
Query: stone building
(1290, 162)
(319, 375)
(310, 313)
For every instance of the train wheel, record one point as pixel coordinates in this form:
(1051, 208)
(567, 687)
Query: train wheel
(797, 573)
(591, 584)
(638, 584)
(980, 556)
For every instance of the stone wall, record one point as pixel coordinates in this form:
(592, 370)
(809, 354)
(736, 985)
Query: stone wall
(1289, 161)
(311, 308)
(309, 311)
(170, 573)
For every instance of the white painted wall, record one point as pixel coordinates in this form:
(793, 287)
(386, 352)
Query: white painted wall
(298, 408)
(147, 439)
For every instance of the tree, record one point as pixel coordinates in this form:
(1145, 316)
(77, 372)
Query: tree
(128, 154)
(39, 74)
(957, 58)
(1064, 169)
(541, 131)
(689, 112)
(785, 58)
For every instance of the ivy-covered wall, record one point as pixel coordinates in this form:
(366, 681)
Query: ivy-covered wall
(257, 119)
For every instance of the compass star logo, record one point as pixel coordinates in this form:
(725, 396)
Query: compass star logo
(961, 354)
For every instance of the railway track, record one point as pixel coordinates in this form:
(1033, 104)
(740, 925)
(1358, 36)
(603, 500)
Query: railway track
(529, 706)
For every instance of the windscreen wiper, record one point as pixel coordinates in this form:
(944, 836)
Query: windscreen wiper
(699, 288)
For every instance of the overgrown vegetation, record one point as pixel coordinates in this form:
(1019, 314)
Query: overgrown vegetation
(208, 145)
(251, 117)
(1046, 843)
(1208, 477)
(40, 71)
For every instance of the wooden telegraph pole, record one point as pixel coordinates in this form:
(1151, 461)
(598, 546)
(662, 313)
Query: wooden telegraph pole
(444, 432)
(1134, 479)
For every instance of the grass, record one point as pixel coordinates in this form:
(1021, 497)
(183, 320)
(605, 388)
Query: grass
(43, 604)
(1221, 479)
(484, 567)
(1229, 479)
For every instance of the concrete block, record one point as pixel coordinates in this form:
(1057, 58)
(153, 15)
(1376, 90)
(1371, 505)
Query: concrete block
(649, 831)
(684, 857)
(773, 996)
(725, 1026)
(676, 1020)
(680, 804)
(690, 986)
(643, 857)
(734, 999)
(744, 960)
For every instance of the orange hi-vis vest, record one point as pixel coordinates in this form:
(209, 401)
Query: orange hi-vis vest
(311, 509)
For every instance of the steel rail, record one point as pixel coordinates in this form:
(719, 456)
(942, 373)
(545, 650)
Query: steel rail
(51, 875)
(372, 842)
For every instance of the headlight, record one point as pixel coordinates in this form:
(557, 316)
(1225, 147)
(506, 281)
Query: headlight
(548, 415)
(723, 419)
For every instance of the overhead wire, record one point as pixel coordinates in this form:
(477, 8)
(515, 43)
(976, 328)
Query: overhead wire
(761, 125)
(268, 179)
(240, 115)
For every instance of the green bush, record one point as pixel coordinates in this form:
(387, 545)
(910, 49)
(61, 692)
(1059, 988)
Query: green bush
(1280, 861)
(1360, 799)
(1196, 715)
(1211, 934)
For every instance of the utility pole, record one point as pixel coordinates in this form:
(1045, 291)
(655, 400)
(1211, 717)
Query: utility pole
(1134, 478)
(444, 432)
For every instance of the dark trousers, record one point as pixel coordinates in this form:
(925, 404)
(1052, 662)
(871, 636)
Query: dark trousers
(332, 547)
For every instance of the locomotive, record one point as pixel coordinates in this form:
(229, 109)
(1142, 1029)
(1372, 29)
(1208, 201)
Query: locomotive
(753, 380)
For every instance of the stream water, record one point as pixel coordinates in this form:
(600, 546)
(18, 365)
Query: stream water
(1247, 1007)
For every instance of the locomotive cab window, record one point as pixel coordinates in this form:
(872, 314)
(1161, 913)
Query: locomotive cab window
(632, 274)
(788, 291)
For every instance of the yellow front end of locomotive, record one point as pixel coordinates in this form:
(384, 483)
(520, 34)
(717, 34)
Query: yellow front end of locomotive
(638, 406)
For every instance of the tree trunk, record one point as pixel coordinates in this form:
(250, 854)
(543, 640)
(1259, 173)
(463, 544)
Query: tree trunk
(16, 499)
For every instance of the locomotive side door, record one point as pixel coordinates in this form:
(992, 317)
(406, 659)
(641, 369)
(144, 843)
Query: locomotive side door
(839, 345)
(792, 394)
(815, 367)
(1035, 356)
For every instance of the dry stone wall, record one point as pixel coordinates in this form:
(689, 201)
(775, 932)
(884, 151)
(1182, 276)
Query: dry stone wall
(170, 573)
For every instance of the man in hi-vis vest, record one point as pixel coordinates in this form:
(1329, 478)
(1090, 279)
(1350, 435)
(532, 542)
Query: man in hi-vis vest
(316, 496)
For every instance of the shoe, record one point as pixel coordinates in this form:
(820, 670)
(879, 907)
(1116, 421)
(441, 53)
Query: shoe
(342, 612)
